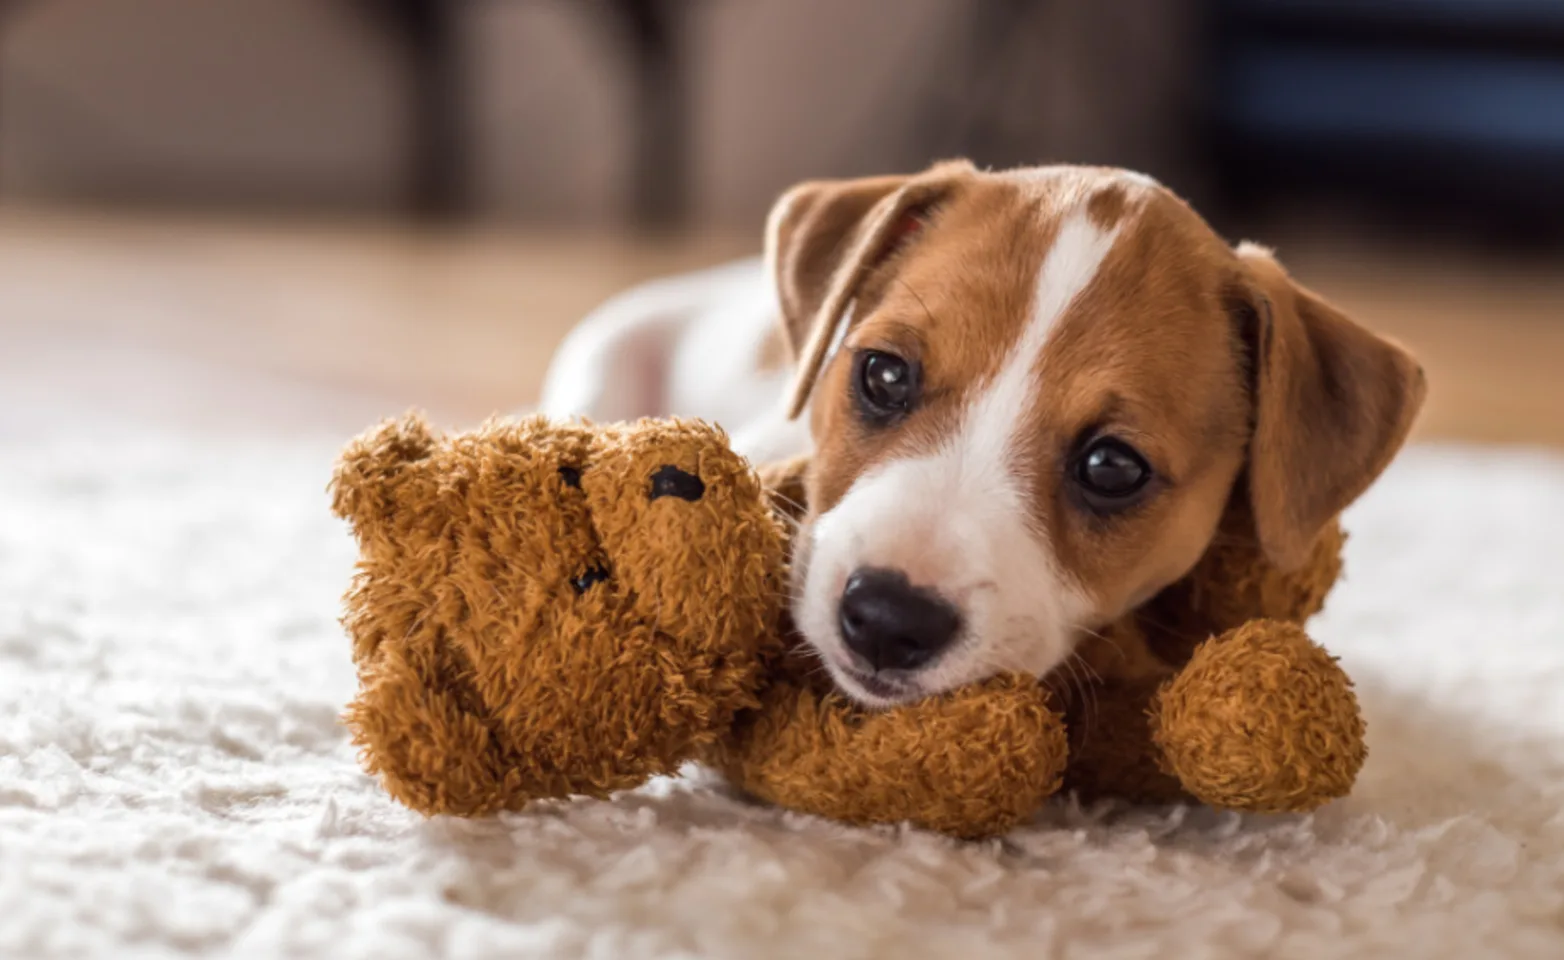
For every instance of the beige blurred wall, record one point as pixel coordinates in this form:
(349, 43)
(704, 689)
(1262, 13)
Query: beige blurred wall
(252, 100)
(289, 102)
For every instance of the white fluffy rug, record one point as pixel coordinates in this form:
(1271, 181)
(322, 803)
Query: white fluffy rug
(173, 779)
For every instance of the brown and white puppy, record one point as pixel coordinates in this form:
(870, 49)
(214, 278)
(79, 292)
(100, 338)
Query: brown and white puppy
(1029, 397)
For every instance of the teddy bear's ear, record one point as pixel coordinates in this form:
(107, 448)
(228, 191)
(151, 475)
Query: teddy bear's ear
(375, 466)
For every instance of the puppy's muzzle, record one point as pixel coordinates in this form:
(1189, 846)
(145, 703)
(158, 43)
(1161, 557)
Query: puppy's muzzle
(889, 624)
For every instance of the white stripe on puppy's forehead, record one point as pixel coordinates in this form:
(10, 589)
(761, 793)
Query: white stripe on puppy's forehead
(994, 415)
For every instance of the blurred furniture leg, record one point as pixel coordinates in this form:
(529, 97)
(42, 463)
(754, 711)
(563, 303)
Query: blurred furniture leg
(970, 121)
(7, 9)
(428, 32)
(652, 32)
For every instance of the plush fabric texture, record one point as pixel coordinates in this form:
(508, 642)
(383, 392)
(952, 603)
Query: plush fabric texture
(973, 763)
(1230, 586)
(494, 672)
(1260, 719)
(174, 780)
(621, 615)
(1214, 692)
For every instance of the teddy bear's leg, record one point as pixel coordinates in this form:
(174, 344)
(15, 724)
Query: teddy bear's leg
(418, 731)
(1261, 719)
(1235, 583)
(971, 763)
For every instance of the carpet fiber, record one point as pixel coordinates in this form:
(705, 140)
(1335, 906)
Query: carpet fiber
(173, 779)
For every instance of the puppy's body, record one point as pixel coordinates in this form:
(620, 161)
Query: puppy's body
(1028, 397)
(701, 345)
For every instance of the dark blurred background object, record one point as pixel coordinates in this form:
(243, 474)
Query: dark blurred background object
(654, 112)
(250, 184)
(1426, 112)
(678, 112)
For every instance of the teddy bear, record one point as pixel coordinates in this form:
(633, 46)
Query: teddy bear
(549, 610)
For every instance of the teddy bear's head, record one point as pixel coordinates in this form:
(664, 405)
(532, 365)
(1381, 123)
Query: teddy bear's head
(548, 609)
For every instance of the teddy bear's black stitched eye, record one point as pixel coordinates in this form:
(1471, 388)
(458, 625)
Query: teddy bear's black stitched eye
(571, 476)
(586, 581)
(670, 481)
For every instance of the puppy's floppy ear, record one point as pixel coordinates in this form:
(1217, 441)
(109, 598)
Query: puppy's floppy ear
(1333, 405)
(822, 237)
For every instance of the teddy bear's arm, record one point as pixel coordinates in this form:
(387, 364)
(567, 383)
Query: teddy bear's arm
(971, 763)
(1234, 583)
(1261, 719)
(417, 730)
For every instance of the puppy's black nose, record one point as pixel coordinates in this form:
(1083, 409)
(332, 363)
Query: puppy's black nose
(890, 623)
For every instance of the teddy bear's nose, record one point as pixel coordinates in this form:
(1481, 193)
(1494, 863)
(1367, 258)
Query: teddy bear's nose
(591, 578)
(670, 481)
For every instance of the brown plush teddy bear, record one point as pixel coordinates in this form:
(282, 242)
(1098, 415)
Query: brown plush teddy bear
(548, 610)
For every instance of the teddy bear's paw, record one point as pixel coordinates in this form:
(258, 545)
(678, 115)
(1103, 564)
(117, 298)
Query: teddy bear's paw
(424, 726)
(971, 763)
(417, 730)
(1261, 719)
(610, 706)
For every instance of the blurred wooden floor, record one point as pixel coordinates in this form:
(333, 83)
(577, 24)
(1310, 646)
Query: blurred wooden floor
(222, 325)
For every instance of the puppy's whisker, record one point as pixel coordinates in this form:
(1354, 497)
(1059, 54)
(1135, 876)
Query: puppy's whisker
(1112, 643)
(1169, 628)
(793, 525)
(787, 501)
(1090, 706)
(1075, 656)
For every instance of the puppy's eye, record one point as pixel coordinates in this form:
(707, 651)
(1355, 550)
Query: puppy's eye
(1110, 473)
(886, 385)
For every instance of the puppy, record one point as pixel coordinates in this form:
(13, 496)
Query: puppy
(1028, 396)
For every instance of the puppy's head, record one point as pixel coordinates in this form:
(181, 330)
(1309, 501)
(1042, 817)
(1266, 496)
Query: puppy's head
(1032, 394)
